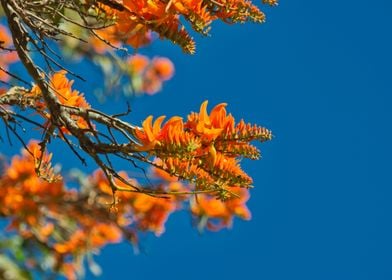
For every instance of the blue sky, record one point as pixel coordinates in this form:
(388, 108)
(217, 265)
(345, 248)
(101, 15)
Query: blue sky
(318, 74)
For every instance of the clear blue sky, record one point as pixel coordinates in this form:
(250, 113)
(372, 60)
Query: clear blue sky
(318, 74)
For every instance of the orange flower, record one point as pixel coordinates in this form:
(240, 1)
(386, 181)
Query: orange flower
(150, 133)
(201, 123)
(6, 57)
(151, 213)
(22, 189)
(25, 167)
(138, 63)
(163, 67)
(74, 244)
(151, 82)
(69, 270)
(222, 212)
(161, 174)
(207, 148)
(172, 131)
(137, 19)
(146, 213)
(148, 76)
(105, 34)
(66, 95)
(64, 91)
(46, 230)
(102, 234)
(172, 134)
(229, 169)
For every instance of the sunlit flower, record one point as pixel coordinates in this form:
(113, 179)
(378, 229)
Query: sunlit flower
(206, 149)
(201, 124)
(62, 87)
(149, 135)
(134, 24)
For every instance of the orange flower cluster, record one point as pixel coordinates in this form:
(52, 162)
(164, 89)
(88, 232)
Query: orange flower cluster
(62, 87)
(21, 186)
(72, 223)
(7, 56)
(148, 75)
(143, 212)
(48, 213)
(209, 211)
(205, 149)
(136, 74)
(96, 236)
(137, 18)
(216, 214)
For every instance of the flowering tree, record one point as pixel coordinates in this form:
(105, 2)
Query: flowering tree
(53, 225)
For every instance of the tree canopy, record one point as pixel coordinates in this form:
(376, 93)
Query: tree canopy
(55, 223)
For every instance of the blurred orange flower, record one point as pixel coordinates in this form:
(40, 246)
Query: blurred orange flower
(221, 213)
(138, 63)
(7, 57)
(163, 68)
(148, 75)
